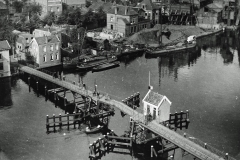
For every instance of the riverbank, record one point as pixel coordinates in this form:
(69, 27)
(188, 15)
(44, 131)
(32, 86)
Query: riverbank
(179, 34)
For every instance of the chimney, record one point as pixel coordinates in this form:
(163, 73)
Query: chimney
(126, 10)
(115, 10)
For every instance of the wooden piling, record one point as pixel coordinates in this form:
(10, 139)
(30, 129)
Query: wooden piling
(65, 104)
(54, 125)
(60, 121)
(46, 93)
(37, 89)
(55, 98)
(74, 122)
(68, 121)
(29, 84)
(205, 145)
(152, 151)
(226, 156)
(47, 123)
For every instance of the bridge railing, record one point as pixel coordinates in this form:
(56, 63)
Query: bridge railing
(206, 146)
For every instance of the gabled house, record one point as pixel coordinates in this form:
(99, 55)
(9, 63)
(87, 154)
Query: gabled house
(46, 51)
(156, 105)
(152, 11)
(4, 59)
(22, 43)
(125, 20)
(50, 6)
(210, 16)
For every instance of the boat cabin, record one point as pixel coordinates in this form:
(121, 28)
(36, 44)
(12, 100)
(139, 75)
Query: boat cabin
(156, 105)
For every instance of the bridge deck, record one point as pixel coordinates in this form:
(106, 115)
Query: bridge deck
(175, 138)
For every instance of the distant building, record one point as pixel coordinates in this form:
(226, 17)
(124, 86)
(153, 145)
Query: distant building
(40, 32)
(125, 20)
(75, 3)
(4, 59)
(23, 42)
(210, 16)
(46, 51)
(50, 6)
(3, 9)
(152, 11)
(156, 105)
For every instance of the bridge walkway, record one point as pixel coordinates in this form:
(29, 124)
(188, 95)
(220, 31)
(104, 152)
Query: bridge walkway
(175, 138)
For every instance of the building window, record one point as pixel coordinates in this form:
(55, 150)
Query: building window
(45, 58)
(56, 46)
(51, 48)
(51, 57)
(1, 66)
(111, 19)
(135, 28)
(57, 56)
(45, 49)
(111, 27)
(0, 56)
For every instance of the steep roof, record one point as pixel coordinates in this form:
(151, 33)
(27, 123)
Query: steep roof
(214, 7)
(50, 39)
(124, 20)
(47, 29)
(121, 10)
(4, 45)
(148, 5)
(154, 98)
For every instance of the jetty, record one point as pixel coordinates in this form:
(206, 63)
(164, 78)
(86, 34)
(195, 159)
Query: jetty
(198, 150)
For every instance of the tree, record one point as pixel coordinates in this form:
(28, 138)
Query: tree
(49, 19)
(102, 17)
(32, 8)
(18, 5)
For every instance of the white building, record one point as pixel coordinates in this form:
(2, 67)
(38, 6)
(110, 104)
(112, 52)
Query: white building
(4, 59)
(156, 105)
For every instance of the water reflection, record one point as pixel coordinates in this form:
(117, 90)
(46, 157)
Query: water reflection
(5, 92)
(168, 66)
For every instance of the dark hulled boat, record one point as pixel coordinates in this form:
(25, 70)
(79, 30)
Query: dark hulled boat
(106, 66)
(169, 49)
(89, 65)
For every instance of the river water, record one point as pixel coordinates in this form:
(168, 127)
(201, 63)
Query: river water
(205, 82)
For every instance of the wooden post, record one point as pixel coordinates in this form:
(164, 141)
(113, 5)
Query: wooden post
(37, 89)
(29, 84)
(74, 122)
(131, 145)
(107, 142)
(46, 93)
(55, 98)
(65, 104)
(226, 156)
(68, 121)
(151, 151)
(60, 121)
(54, 125)
(47, 123)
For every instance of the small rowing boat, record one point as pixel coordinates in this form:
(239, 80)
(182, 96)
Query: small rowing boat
(94, 129)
